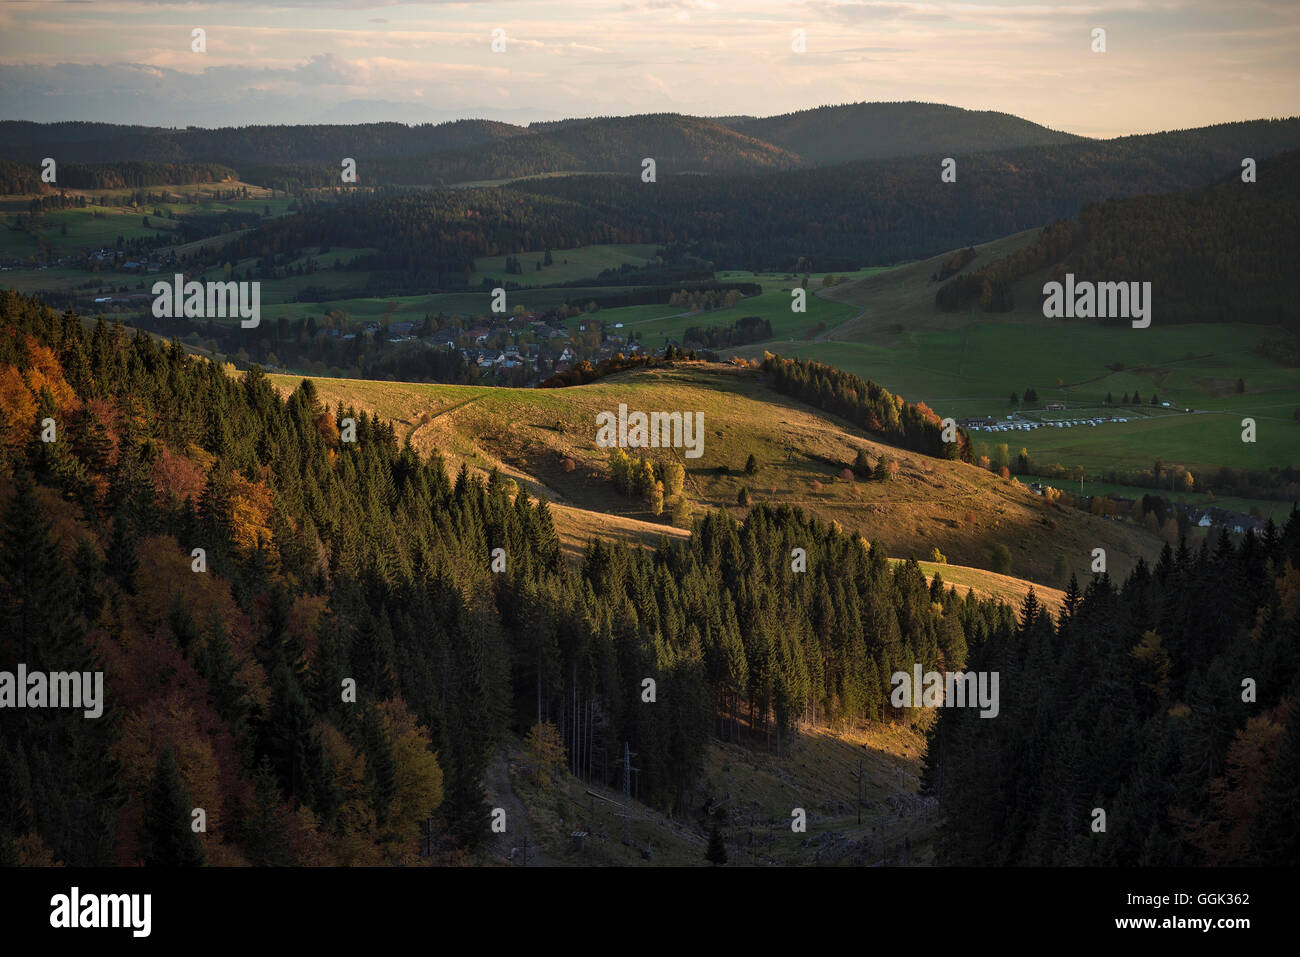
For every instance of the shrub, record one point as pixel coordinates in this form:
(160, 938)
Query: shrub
(680, 512)
(862, 465)
(1001, 561)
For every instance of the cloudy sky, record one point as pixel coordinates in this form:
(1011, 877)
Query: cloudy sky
(1167, 64)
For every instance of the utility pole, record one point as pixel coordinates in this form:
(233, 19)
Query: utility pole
(626, 761)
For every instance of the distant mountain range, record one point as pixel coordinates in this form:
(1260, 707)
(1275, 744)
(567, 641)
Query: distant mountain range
(469, 150)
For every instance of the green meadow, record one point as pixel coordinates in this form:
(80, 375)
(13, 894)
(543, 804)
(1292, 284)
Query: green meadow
(657, 324)
(1266, 508)
(567, 265)
(973, 370)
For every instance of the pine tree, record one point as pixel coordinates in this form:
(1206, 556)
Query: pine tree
(1275, 830)
(166, 836)
(266, 831)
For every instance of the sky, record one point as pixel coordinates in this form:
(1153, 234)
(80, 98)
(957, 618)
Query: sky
(1167, 65)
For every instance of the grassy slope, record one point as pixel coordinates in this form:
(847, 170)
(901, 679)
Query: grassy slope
(926, 506)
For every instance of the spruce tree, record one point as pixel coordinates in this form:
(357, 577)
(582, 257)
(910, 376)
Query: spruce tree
(167, 838)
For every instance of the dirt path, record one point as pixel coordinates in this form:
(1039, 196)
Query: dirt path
(496, 783)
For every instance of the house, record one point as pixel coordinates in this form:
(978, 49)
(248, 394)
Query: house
(1055, 407)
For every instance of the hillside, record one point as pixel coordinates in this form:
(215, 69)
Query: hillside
(962, 510)
(678, 144)
(968, 361)
(1220, 253)
(856, 131)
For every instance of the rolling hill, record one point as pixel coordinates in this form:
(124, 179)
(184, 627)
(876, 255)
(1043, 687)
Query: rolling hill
(856, 131)
(1220, 253)
(534, 436)
(868, 212)
(677, 143)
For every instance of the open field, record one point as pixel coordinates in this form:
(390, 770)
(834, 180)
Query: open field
(93, 227)
(567, 265)
(657, 324)
(1265, 508)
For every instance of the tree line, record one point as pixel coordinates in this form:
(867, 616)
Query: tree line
(864, 403)
(134, 174)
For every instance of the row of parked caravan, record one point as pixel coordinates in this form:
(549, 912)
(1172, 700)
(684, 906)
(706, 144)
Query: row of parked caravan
(1030, 426)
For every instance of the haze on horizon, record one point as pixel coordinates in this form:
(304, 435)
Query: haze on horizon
(1175, 64)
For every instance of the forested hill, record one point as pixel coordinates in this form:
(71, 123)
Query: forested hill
(1227, 250)
(884, 211)
(326, 560)
(839, 217)
(854, 131)
(1170, 702)
(677, 144)
(829, 134)
(26, 177)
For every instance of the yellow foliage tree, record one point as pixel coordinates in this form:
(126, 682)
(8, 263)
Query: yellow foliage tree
(547, 751)
(417, 772)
